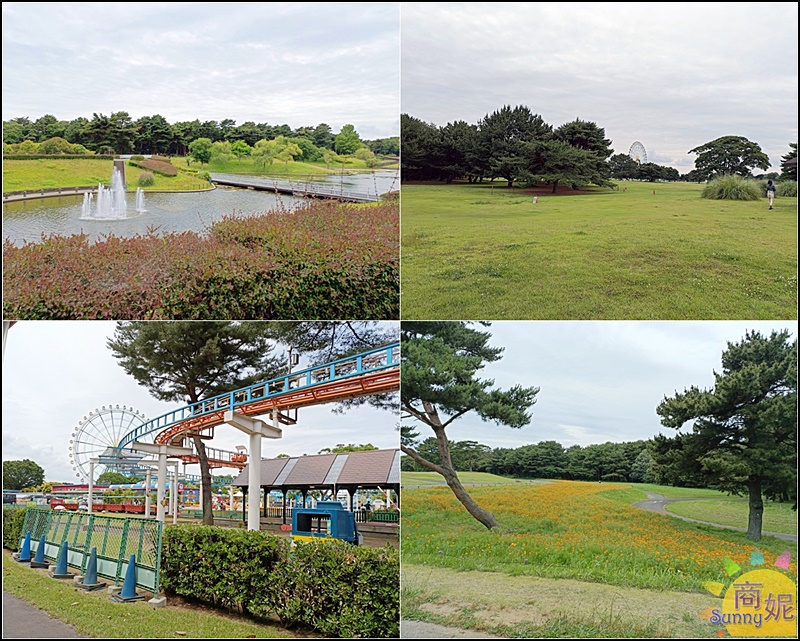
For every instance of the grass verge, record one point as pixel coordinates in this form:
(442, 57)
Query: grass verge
(531, 607)
(92, 613)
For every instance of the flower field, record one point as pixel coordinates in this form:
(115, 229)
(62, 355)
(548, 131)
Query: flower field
(569, 529)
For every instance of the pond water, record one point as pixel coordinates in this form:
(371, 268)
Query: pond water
(165, 212)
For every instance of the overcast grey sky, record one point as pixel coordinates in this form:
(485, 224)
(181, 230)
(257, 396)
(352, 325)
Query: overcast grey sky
(670, 75)
(299, 64)
(56, 372)
(600, 381)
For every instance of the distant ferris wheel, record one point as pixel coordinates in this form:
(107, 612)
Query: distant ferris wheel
(638, 153)
(97, 436)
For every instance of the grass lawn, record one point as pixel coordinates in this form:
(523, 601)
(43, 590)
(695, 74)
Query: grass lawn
(486, 252)
(20, 175)
(92, 614)
(778, 517)
(678, 492)
(569, 560)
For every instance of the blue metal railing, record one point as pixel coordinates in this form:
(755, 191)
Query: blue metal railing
(373, 360)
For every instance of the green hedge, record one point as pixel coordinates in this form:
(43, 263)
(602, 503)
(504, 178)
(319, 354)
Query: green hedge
(331, 586)
(57, 157)
(13, 518)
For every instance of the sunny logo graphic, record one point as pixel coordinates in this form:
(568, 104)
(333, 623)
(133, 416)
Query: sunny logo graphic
(760, 602)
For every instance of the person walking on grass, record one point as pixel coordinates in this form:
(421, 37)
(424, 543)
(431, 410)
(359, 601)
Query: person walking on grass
(770, 192)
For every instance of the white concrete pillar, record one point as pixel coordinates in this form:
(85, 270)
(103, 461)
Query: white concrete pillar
(91, 483)
(256, 429)
(147, 502)
(161, 486)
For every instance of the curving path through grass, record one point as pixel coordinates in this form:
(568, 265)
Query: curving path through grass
(658, 502)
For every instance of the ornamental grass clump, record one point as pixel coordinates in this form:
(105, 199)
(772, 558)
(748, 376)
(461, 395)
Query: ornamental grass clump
(787, 189)
(733, 188)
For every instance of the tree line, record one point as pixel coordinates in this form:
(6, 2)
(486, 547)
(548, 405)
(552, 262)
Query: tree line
(517, 145)
(626, 461)
(121, 134)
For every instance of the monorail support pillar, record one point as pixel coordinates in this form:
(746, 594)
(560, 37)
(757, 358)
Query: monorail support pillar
(256, 429)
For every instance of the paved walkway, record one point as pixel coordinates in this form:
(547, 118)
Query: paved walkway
(658, 502)
(422, 630)
(21, 620)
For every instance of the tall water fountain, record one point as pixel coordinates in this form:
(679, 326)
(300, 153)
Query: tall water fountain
(111, 203)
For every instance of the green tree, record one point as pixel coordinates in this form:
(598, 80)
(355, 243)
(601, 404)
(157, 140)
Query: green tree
(506, 133)
(20, 474)
(347, 141)
(240, 149)
(188, 361)
(440, 384)
(729, 155)
(116, 478)
(744, 435)
(789, 170)
(341, 448)
(200, 150)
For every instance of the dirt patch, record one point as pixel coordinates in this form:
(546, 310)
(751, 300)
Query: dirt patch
(492, 599)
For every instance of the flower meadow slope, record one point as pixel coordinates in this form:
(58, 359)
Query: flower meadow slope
(568, 529)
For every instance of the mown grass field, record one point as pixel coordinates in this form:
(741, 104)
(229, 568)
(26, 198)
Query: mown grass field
(570, 538)
(486, 252)
(20, 175)
(778, 517)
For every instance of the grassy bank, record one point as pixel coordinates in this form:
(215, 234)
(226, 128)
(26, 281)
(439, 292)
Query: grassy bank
(21, 175)
(484, 251)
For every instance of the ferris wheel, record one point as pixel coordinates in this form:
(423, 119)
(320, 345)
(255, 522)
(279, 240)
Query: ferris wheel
(97, 436)
(638, 153)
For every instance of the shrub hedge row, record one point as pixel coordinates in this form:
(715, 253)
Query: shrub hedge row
(57, 157)
(324, 261)
(331, 586)
(13, 518)
(165, 168)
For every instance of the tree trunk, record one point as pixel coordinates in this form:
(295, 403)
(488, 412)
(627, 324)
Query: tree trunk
(451, 478)
(756, 510)
(205, 480)
(555, 186)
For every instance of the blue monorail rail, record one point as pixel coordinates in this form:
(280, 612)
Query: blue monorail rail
(374, 360)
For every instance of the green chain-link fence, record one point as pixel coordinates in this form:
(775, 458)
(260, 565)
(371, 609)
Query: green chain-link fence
(115, 538)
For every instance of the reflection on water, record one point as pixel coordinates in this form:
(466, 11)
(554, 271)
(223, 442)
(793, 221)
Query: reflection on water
(168, 212)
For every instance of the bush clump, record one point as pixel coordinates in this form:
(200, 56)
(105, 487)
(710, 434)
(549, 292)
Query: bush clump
(334, 587)
(13, 520)
(146, 179)
(787, 189)
(733, 188)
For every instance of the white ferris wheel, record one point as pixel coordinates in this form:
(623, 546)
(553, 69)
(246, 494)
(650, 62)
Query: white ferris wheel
(97, 436)
(638, 153)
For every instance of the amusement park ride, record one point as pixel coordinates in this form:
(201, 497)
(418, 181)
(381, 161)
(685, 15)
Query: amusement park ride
(376, 371)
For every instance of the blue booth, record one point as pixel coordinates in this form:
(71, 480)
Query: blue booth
(328, 521)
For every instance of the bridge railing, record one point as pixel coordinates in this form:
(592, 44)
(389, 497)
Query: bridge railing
(373, 360)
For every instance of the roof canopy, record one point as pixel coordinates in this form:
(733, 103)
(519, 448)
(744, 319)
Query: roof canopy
(352, 470)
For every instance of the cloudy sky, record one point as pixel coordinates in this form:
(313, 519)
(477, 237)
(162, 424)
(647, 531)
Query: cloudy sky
(299, 64)
(56, 372)
(600, 381)
(671, 75)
